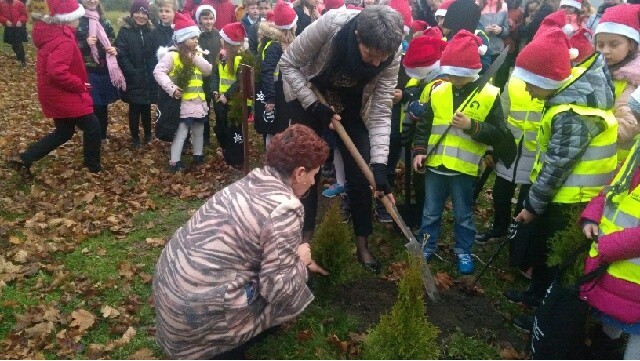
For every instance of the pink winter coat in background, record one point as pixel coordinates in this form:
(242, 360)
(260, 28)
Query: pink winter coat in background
(13, 11)
(62, 76)
(628, 126)
(613, 296)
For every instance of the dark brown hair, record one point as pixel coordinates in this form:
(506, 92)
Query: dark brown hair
(297, 146)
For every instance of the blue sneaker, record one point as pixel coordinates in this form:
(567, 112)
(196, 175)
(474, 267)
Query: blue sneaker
(465, 264)
(334, 190)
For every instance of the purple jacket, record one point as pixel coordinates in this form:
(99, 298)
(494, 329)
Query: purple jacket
(613, 296)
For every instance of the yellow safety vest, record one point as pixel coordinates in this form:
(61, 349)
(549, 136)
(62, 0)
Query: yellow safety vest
(194, 87)
(457, 151)
(424, 96)
(523, 121)
(621, 212)
(226, 78)
(620, 86)
(596, 165)
(276, 71)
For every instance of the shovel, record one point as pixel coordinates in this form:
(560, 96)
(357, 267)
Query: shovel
(413, 247)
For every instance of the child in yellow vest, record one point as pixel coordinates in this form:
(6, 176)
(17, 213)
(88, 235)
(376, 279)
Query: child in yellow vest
(452, 136)
(179, 72)
(225, 84)
(617, 39)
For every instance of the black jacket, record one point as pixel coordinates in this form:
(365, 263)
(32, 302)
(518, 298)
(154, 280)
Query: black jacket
(271, 58)
(161, 36)
(137, 59)
(210, 40)
(82, 33)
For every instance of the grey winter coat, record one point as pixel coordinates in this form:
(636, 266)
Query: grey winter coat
(308, 55)
(571, 133)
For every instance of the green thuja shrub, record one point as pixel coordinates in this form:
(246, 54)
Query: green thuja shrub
(564, 243)
(331, 248)
(234, 115)
(405, 333)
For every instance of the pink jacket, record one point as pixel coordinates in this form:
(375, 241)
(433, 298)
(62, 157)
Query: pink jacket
(13, 11)
(613, 296)
(627, 124)
(195, 108)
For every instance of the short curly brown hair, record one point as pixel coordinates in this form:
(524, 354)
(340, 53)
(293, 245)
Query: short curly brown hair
(297, 146)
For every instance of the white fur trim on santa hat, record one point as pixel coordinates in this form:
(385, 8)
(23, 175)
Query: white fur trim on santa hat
(205, 7)
(185, 33)
(459, 71)
(69, 17)
(288, 26)
(228, 39)
(620, 29)
(537, 80)
(573, 3)
(440, 12)
(422, 72)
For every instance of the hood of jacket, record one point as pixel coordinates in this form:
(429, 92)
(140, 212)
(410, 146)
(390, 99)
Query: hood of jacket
(629, 71)
(44, 33)
(128, 22)
(268, 31)
(591, 86)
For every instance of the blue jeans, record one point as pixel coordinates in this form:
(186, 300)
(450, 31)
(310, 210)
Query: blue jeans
(438, 187)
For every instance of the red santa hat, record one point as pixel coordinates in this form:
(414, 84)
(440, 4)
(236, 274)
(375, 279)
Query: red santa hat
(284, 17)
(270, 16)
(334, 4)
(442, 9)
(461, 57)
(64, 10)
(402, 6)
(205, 7)
(573, 3)
(423, 57)
(582, 40)
(433, 32)
(184, 28)
(233, 33)
(419, 25)
(545, 61)
(622, 20)
(555, 20)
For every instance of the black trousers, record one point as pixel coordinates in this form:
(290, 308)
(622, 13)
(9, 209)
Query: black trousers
(358, 189)
(137, 113)
(102, 113)
(65, 128)
(229, 136)
(18, 49)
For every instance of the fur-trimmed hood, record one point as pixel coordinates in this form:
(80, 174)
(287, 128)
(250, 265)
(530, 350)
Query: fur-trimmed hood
(128, 22)
(629, 72)
(268, 31)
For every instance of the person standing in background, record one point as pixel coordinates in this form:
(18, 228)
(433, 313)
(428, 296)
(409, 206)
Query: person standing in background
(13, 16)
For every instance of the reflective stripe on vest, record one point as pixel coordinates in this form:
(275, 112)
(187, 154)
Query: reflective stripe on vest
(194, 87)
(523, 121)
(595, 167)
(276, 71)
(226, 78)
(620, 212)
(457, 151)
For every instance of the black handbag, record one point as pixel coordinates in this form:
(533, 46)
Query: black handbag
(168, 116)
(560, 322)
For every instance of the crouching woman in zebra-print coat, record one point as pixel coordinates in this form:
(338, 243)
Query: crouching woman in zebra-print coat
(239, 267)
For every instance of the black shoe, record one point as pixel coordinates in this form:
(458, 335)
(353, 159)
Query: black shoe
(198, 159)
(135, 143)
(524, 323)
(23, 169)
(525, 297)
(373, 266)
(178, 167)
(490, 236)
(147, 139)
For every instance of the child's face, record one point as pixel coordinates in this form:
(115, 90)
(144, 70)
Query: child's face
(90, 4)
(191, 44)
(166, 14)
(570, 10)
(253, 12)
(539, 93)
(614, 47)
(207, 22)
(440, 20)
(460, 81)
(140, 18)
(264, 8)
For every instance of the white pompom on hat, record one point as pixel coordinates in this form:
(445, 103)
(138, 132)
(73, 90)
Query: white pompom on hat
(205, 7)
(622, 20)
(545, 62)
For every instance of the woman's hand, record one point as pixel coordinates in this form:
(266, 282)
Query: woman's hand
(304, 252)
(590, 230)
(92, 40)
(112, 51)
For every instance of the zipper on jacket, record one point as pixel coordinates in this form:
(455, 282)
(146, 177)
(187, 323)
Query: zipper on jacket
(144, 63)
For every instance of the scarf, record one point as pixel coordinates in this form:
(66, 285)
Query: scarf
(96, 29)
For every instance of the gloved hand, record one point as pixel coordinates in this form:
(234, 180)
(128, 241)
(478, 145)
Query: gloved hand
(380, 175)
(416, 109)
(321, 113)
